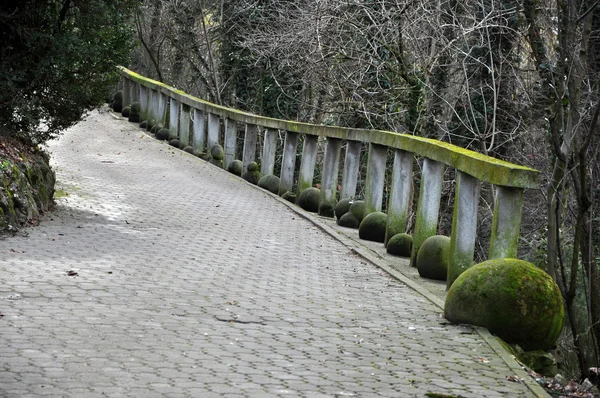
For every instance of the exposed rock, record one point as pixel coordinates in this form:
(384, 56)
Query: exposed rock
(357, 208)
(217, 152)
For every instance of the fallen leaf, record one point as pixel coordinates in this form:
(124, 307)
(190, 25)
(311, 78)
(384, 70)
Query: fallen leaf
(515, 379)
(72, 273)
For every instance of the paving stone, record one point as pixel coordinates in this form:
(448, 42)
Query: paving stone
(192, 283)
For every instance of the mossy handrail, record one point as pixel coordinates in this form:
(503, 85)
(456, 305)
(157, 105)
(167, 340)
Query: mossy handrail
(483, 167)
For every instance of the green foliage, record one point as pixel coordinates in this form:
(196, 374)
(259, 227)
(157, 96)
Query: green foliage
(57, 61)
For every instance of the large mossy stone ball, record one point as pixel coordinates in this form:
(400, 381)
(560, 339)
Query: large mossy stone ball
(125, 111)
(150, 123)
(342, 207)
(251, 176)
(144, 124)
(348, 220)
(252, 166)
(289, 196)
(326, 209)
(136, 107)
(373, 226)
(270, 183)
(217, 152)
(162, 134)
(175, 142)
(400, 245)
(357, 208)
(515, 300)
(433, 257)
(236, 167)
(134, 117)
(189, 149)
(157, 127)
(309, 199)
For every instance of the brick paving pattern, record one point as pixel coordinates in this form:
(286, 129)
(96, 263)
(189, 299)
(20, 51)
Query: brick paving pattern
(190, 283)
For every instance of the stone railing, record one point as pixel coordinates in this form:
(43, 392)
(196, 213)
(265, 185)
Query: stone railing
(197, 122)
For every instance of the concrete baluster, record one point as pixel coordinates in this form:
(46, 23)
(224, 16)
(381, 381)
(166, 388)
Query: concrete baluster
(288, 164)
(174, 106)
(184, 125)
(351, 167)
(154, 105)
(508, 206)
(249, 151)
(161, 117)
(230, 142)
(428, 208)
(127, 92)
(329, 180)
(375, 178)
(213, 131)
(399, 201)
(199, 140)
(464, 225)
(307, 165)
(144, 102)
(268, 153)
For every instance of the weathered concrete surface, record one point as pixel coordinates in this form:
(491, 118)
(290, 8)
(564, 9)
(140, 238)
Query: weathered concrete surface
(192, 283)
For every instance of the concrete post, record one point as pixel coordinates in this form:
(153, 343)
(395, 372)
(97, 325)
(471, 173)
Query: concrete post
(199, 131)
(230, 142)
(213, 131)
(162, 109)
(428, 208)
(399, 201)
(329, 180)
(288, 164)
(268, 153)
(174, 118)
(351, 167)
(184, 125)
(135, 92)
(464, 225)
(375, 178)
(250, 138)
(127, 92)
(154, 105)
(307, 165)
(508, 206)
(144, 102)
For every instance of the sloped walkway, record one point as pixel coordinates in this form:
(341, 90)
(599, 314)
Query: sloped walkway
(187, 282)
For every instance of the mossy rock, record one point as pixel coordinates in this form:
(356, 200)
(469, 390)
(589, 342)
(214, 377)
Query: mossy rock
(136, 107)
(270, 183)
(175, 143)
(157, 127)
(373, 226)
(189, 149)
(357, 208)
(134, 117)
(289, 196)
(309, 199)
(400, 245)
(162, 134)
(251, 176)
(125, 111)
(515, 300)
(540, 361)
(433, 257)
(252, 166)
(348, 220)
(144, 124)
(117, 101)
(217, 152)
(342, 207)
(236, 167)
(326, 209)
(150, 123)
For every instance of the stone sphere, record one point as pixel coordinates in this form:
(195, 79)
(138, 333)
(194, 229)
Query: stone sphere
(156, 127)
(217, 152)
(270, 183)
(144, 124)
(251, 176)
(348, 220)
(136, 107)
(373, 226)
(433, 257)
(134, 117)
(125, 111)
(150, 123)
(162, 134)
(326, 209)
(175, 142)
(252, 166)
(357, 208)
(514, 299)
(235, 167)
(189, 149)
(289, 196)
(309, 199)
(400, 245)
(342, 207)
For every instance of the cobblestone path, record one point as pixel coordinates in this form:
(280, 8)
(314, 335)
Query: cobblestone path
(187, 282)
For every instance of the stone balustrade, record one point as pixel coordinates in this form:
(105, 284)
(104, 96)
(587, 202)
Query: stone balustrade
(197, 123)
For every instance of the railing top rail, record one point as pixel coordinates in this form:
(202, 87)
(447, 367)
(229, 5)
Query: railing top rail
(482, 167)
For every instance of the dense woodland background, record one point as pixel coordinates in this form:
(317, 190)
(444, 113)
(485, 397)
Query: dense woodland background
(514, 79)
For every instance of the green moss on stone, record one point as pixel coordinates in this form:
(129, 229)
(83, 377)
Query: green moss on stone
(348, 220)
(136, 107)
(236, 167)
(134, 117)
(357, 208)
(342, 207)
(217, 152)
(189, 149)
(251, 176)
(156, 127)
(252, 166)
(372, 227)
(512, 298)
(433, 257)
(309, 199)
(270, 183)
(144, 124)
(400, 245)
(125, 111)
(162, 134)
(289, 196)
(175, 143)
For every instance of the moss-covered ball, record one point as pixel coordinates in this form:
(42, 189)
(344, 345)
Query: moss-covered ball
(189, 149)
(157, 127)
(433, 257)
(373, 226)
(117, 101)
(136, 107)
(236, 167)
(270, 183)
(217, 152)
(289, 196)
(125, 111)
(357, 208)
(162, 134)
(342, 207)
(515, 300)
(251, 176)
(326, 209)
(144, 124)
(309, 199)
(134, 117)
(203, 155)
(216, 162)
(150, 123)
(348, 220)
(175, 142)
(400, 245)
(252, 166)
